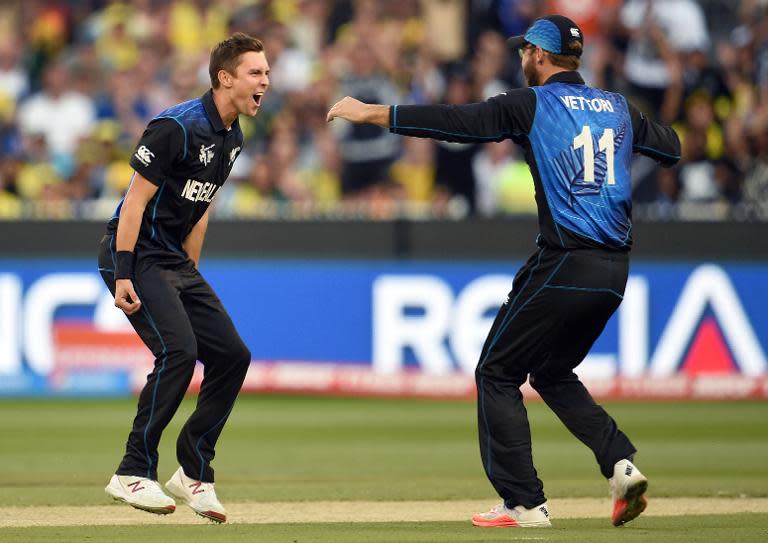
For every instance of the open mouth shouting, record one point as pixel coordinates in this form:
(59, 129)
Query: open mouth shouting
(257, 98)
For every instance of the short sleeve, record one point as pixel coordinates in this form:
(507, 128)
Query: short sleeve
(161, 145)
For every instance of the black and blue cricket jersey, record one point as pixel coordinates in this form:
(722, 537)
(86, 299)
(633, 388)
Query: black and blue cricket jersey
(578, 142)
(188, 153)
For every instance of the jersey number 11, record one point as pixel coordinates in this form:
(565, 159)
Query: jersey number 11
(605, 143)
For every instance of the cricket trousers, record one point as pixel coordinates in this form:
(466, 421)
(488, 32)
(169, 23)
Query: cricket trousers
(181, 320)
(559, 305)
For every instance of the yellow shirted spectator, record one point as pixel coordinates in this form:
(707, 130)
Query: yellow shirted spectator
(117, 177)
(33, 179)
(115, 45)
(325, 186)
(10, 205)
(191, 29)
(515, 191)
(415, 170)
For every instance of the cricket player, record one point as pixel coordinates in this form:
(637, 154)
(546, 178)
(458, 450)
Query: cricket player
(578, 142)
(149, 259)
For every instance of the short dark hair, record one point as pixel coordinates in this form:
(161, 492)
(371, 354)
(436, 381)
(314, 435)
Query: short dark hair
(226, 55)
(569, 62)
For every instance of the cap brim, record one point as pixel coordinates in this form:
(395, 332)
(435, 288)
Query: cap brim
(515, 41)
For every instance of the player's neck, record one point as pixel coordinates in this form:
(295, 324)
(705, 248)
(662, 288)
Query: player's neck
(548, 71)
(226, 109)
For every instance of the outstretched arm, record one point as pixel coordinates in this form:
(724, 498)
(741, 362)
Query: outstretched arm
(501, 117)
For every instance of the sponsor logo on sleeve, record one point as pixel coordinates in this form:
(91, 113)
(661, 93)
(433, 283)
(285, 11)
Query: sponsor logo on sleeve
(144, 155)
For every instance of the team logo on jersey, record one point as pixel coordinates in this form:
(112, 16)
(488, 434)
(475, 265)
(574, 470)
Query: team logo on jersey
(144, 155)
(574, 32)
(233, 155)
(206, 154)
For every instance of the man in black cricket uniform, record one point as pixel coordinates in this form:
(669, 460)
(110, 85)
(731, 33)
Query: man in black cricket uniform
(149, 260)
(578, 143)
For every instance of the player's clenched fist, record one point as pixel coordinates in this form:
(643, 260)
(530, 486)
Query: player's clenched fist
(125, 296)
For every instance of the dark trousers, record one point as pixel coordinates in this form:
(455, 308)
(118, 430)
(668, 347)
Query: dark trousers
(559, 305)
(181, 320)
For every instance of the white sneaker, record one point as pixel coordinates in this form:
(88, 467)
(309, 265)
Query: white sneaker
(200, 496)
(518, 517)
(141, 493)
(627, 488)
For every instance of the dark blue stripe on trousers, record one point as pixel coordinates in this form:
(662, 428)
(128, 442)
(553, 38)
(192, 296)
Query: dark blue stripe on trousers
(505, 324)
(164, 355)
(585, 289)
(197, 445)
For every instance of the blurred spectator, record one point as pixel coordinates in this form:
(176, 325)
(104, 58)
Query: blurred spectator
(80, 82)
(10, 203)
(259, 189)
(504, 181)
(660, 31)
(444, 27)
(756, 176)
(14, 81)
(487, 63)
(415, 170)
(367, 151)
(454, 176)
(62, 116)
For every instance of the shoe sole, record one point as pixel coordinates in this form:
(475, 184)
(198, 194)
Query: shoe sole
(632, 505)
(511, 523)
(218, 518)
(167, 510)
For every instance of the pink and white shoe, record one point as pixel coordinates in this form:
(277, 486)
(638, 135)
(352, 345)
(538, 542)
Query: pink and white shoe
(200, 496)
(628, 487)
(141, 493)
(518, 517)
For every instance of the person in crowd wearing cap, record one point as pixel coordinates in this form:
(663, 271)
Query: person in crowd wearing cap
(578, 142)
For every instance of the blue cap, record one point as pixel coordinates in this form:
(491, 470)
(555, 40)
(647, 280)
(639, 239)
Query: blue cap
(554, 33)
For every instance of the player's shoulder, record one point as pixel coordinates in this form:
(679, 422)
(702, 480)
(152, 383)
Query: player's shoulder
(523, 92)
(184, 112)
(516, 97)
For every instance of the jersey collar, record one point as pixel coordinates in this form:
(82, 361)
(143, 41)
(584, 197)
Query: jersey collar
(566, 77)
(213, 113)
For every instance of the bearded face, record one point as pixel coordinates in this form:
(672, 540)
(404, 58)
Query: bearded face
(530, 70)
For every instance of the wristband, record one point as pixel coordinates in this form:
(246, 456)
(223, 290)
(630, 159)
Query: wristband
(124, 265)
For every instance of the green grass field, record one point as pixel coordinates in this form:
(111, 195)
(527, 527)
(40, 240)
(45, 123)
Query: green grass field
(62, 452)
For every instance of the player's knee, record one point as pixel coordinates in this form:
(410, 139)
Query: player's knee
(241, 354)
(186, 354)
(541, 382)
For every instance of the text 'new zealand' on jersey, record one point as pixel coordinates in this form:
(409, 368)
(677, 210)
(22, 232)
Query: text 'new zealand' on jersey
(188, 153)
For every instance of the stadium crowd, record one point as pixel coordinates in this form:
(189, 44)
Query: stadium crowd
(80, 79)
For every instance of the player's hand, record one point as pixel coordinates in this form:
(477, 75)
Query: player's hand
(125, 296)
(348, 108)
